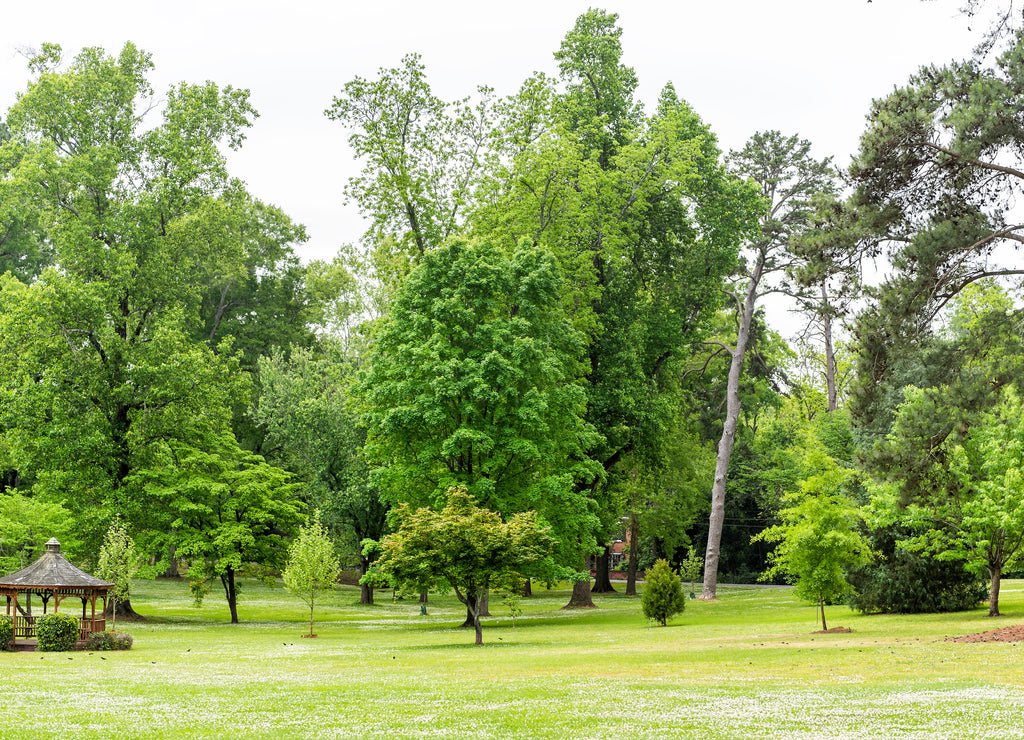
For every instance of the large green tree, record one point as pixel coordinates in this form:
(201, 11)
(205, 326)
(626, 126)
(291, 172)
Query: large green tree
(787, 177)
(638, 210)
(315, 432)
(939, 170)
(101, 366)
(473, 381)
(645, 222)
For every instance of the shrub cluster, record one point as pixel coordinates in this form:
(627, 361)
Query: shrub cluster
(6, 632)
(662, 596)
(903, 582)
(56, 632)
(109, 640)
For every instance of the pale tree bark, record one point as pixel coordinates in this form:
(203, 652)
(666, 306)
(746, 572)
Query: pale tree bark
(830, 355)
(728, 439)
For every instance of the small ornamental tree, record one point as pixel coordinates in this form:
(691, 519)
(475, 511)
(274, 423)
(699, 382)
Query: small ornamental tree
(662, 597)
(312, 564)
(465, 546)
(819, 537)
(118, 563)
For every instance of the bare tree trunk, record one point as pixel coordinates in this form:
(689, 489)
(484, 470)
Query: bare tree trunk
(581, 598)
(824, 627)
(228, 579)
(477, 626)
(830, 354)
(728, 440)
(634, 553)
(527, 589)
(996, 574)
(602, 580)
(124, 610)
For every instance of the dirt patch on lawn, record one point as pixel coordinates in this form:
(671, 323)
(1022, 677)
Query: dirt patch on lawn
(833, 631)
(1014, 633)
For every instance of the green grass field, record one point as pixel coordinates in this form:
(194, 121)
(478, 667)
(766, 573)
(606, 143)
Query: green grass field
(745, 666)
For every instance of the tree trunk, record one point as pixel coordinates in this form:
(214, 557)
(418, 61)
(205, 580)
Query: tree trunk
(311, 619)
(602, 581)
(228, 579)
(581, 598)
(477, 626)
(824, 627)
(527, 589)
(996, 574)
(172, 563)
(125, 612)
(728, 440)
(830, 354)
(482, 609)
(634, 553)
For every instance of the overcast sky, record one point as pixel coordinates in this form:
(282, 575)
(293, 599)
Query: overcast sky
(809, 67)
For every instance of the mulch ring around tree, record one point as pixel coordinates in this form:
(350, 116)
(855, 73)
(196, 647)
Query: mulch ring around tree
(1014, 633)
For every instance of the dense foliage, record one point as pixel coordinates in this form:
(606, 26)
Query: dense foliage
(662, 597)
(551, 333)
(56, 632)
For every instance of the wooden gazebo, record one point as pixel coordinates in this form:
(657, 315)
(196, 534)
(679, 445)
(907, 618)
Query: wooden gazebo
(52, 577)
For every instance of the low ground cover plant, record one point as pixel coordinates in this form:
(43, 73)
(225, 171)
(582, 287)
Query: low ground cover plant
(109, 640)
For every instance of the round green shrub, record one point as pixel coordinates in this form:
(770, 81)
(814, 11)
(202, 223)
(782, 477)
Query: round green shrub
(109, 640)
(56, 632)
(662, 597)
(6, 632)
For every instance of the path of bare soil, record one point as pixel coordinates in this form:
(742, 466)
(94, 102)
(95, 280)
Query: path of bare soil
(1013, 633)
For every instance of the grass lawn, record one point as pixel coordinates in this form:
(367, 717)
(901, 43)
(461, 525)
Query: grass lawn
(745, 666)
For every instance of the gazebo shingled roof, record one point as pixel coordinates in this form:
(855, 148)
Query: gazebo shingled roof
(52, 577)
(52, 570)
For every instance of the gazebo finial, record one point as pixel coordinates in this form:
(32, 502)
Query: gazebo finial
(53, 545)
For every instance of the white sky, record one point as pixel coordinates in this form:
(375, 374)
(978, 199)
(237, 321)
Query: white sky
(809, 67)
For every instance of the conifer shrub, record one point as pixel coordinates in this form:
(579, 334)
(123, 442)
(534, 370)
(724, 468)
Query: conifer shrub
(662, 597)
(6, 632)
(56, 632)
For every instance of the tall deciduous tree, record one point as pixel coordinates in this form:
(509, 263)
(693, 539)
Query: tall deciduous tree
(644, 220)
(787, 177)
(101, 367)
(473, 381)
(422, 156)
(306, 411)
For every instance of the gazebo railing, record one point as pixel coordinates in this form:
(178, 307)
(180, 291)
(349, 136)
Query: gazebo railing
(25, 627)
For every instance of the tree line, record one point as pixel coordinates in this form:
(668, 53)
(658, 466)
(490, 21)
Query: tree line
(553, 327)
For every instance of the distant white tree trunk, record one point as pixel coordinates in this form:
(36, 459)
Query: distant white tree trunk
(728, 440)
